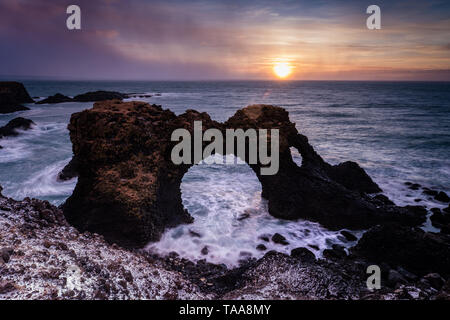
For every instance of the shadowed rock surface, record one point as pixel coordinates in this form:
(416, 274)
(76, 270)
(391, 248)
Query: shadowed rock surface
(43, 257)
(129, 189)
(12, 96)
(412, 248)
(70, 171)
(57, 98)
(99, 96)
(10, 130)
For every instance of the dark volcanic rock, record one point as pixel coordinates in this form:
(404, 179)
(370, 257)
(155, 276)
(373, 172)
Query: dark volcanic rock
(410, 248)
(70, 171)
(129, 188)
(278, 238)
(57, 98)
(442, 196)
(303, 254)
(12, 96)
(349, 236)
(353, 177)
(99, 96)
(10, 130)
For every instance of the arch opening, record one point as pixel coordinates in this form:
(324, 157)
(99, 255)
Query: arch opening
(232, 223)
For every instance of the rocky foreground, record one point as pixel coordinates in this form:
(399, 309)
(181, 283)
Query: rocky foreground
(43, 257)
(128, 193)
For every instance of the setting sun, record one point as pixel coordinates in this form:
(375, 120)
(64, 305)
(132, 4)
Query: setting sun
(282, 69)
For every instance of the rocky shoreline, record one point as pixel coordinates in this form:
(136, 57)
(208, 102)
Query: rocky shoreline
(43, 257)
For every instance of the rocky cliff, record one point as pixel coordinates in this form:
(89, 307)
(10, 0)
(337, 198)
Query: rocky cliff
(12, 96)
(129, 189)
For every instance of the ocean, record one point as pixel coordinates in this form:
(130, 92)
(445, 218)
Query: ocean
(397, 131)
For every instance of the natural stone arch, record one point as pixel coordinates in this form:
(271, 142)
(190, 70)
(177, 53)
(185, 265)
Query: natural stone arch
(128, 188)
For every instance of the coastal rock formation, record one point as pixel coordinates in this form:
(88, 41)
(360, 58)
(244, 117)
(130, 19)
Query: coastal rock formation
(99, 96)
(17, 123)
(42, 257)
(129, 189)
(12, 96)
(411, 248)
(57, 98)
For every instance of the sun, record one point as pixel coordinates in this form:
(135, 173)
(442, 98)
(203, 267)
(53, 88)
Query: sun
(282, 69)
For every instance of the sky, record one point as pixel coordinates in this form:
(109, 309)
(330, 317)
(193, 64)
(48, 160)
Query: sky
(225, 40)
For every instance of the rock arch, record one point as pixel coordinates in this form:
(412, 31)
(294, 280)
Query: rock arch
(129, 189)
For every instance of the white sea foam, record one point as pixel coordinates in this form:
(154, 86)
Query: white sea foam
(230, 217)
(45, 183)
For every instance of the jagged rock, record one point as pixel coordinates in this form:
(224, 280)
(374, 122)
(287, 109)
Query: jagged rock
(279, 239)
(353, 177)
(303, 254)
(129, 189)
(442, 196)
(336, 252)
(411, 248)
(99, 96)
(57, 98)
(435, 280)
(70, 171)
(394, 278)
(349, 236)
(384, 199)
(438, 219)
(261, 247)
(430, 192)
(12, 96)
(11, 128)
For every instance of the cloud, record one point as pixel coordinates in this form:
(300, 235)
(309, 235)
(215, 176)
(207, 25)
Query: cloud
(140, 39)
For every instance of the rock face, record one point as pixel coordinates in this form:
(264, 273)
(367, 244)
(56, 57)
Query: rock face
(410, 248)
(99, 96)
(129, 189)
(11, 128)
(42, 257)
(12, 96)
(57, 98)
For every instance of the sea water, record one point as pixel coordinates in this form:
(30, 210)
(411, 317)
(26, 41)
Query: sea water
(397, 131)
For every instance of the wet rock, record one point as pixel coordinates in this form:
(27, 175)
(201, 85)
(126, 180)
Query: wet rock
(414, 186)
(261, 247)
(430, 192)
(70, 171)
(12, 96)
(349, 236)
(265, 237)
(436, 210)
(435, 280)
(442, 196)
(395, 278)
(57, 98)
(129, 189)
(446, 210)
(16, 124)
(99, 96)
(407, 275)
(279, 239)
(410, 248)
(205, 251)
(337, 252)
(384, 199)
(194, 234)
(303, 254)
(438, 219)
